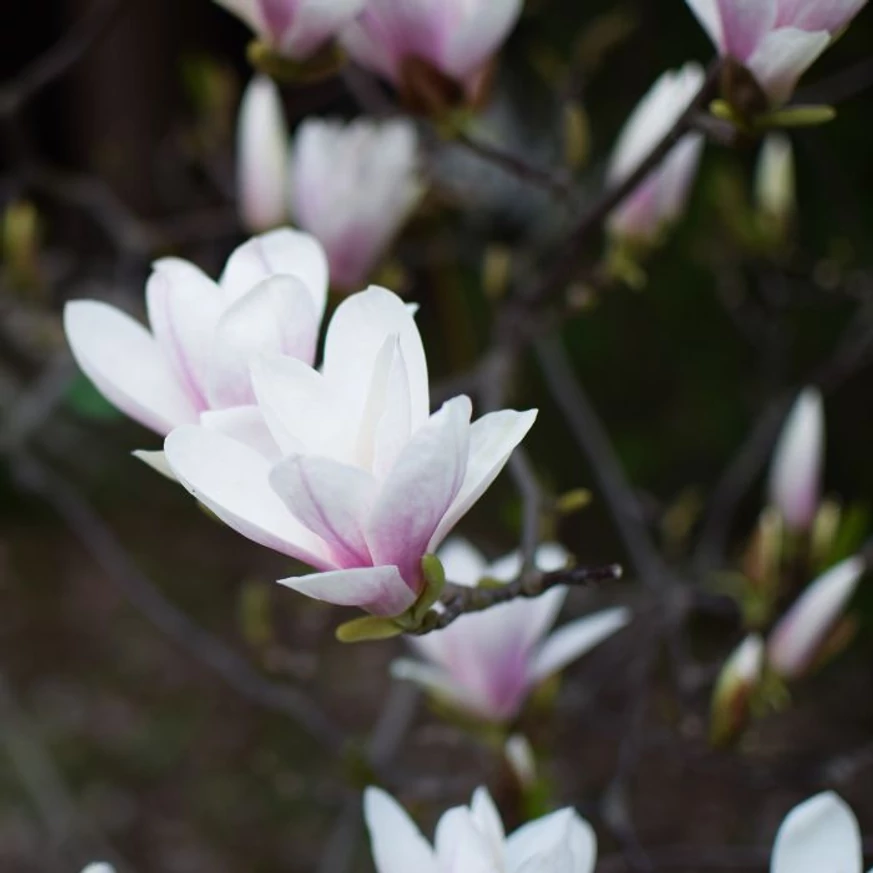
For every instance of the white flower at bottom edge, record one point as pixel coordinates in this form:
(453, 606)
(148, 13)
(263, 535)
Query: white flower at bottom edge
(99, 867)
(472, 840)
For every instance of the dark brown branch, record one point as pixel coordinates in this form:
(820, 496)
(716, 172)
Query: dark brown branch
(458, 600)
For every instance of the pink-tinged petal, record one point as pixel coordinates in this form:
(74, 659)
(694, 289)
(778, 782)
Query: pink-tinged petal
(463, 564)
(332, 500)
(480, 33)
(783, 57)
(300, 409)
(282, 252)
(559, 843)
(249, 11)
(262, 157)
(830, 15)
(397, 844)
(439, 683)
(316, 22)
(127, 365)
(276, 317)
(820, 834)
(378, 590)
(575, 639)
(745, 24)
(184, 306)
(708, 13)
(798, 637)
(232, 480)
(157, 461)
(677, 176)
(460, 846)
(795, 475)
(246, 425)
(356, 335)
(420, 489)
(493, 438)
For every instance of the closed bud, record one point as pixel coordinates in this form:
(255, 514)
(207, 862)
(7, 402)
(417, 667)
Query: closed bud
(776, 184)
(520, 757)
(739, 679)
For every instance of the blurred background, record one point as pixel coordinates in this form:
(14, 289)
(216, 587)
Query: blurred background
(146, 656)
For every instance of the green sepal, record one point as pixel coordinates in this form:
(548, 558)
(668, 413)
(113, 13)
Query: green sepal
(368, 628)
(796, 116)
(323, 65)
(434, 585)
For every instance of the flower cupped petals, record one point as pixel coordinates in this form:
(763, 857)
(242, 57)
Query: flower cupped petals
(367, 481)
(472, 838)
(486, 663)
(195, 358)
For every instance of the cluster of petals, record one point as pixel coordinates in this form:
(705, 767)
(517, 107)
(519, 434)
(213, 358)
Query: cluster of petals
(661, 198)
(487, 663)
(351, 473)
(473, 839)
(295, 28)
(776, 40)
(456, 37)
(191, 365)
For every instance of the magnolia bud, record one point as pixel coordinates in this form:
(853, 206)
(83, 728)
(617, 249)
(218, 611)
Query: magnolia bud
(520, 757)
(262, 157)
(798, 637)
(739, 679)
(796, 469)
(775, 183)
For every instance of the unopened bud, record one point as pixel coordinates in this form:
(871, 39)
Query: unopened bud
(775, 187)
(520, 757)
(731, 701)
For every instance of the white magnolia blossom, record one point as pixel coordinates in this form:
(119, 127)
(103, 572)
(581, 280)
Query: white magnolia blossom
(353, 186)
(472, 840)
(821, 834)
(192, 363)
(356, 478)
(295, 28)
(795, 473)
(262, 157)
(798, 637)
(486, 663)
(776, 40)
(661, 198)
(457, 37)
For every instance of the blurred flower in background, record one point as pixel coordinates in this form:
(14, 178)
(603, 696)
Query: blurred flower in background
(473, 839)
(362, 481)
(353, 186)
(487, 663)
(738, 681)
(661, 198)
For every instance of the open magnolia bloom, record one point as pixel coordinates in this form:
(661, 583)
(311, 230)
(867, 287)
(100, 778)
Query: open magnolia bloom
(776, 40)
(193, 363)
(486, 663)
(821, 834)
(352, 187)
(294, 28)
(661, 198)
(472, 840)
(359, 481)
(456, 38)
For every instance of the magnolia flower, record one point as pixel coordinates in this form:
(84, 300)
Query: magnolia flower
(472, 840)
(193, 364)
(455, 37)
(660, 199)
(353, 186)
(795, 473)
(99, 868)
(799, 636)
(361, 481)
(820, 834)
(776, 40)
(737, 682)
(262, 156)
(295, 28)
(486, 663)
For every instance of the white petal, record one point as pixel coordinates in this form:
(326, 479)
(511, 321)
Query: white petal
(463, 564)
(232, 480)
(275, 317)
(282, 252)
(488, 823)
(332, 500)
(563, 841)
(709, 15)
(379, 590)
(818, 835)
(493, 438)
(783, 57)
(127, 366)
(99, 868)
(420, 488)
(460, 847)
(246, 425)
(398, 846)
(355, 337)
(482, 31)
(436, 681)
(315, 22)
(157, 461)
(575, 639)
(830, 15)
